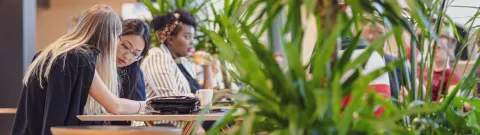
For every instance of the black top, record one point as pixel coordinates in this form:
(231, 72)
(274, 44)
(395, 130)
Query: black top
(397, 79)
(462, 33)
(395, 76)
(194, 85)
(62, 97)
(139, 93)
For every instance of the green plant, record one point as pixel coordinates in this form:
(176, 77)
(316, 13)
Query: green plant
(203, 10)
(278, 102)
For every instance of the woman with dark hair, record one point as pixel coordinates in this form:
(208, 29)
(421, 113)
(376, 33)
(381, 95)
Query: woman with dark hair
(166, 71)
(132, 47)
(165, 68)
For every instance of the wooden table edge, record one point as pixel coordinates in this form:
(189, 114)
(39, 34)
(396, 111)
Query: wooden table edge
(8, 110)
(147, 117)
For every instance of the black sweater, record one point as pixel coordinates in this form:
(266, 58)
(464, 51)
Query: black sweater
(62, 97)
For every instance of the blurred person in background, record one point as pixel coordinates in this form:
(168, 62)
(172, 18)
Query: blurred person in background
(442, 84)
(372, 32)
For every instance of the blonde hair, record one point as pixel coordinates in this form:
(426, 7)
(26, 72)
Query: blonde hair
(99, 26)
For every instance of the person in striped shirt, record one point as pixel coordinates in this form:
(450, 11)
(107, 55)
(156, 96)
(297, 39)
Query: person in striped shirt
(164, 66)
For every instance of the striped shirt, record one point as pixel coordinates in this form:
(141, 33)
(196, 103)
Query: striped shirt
(163, 78)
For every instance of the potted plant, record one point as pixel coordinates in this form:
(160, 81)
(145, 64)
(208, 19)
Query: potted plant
(288, 102)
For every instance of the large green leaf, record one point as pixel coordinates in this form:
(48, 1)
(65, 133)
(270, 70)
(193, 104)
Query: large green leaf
(288, 103)
(473, 120)
(457, 121)
(154, 11)
(362, 58)
(362, 84)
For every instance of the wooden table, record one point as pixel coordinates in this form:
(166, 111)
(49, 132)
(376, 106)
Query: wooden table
(150, 119)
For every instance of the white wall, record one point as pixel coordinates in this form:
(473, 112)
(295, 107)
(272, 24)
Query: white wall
(54, 21)
(460, 15)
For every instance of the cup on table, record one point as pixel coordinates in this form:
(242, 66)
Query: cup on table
(205, 96)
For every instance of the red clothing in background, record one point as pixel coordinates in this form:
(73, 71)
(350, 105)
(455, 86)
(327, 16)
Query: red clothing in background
(381, 89)
(380, 85)
(437, 81)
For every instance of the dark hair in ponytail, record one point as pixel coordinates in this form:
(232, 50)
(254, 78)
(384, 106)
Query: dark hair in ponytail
(131, 74)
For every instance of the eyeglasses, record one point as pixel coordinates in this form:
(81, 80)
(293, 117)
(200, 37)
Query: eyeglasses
(130, 55)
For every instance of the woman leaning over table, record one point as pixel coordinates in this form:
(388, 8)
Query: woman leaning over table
(66, 78)
(132, 47)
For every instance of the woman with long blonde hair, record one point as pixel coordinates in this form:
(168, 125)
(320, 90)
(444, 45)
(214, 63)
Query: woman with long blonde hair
(74, 75)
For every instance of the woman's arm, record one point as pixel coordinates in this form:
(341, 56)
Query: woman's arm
(110, 102)
(208, 82)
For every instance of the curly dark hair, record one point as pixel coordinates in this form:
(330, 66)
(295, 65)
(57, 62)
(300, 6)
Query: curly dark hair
(161, 21)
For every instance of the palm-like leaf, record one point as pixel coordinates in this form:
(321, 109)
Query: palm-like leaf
(284, 101)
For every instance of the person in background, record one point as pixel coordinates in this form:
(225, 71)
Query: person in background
(165, 74)
(132, 47)
(372, 32)
(74, 75)
(162, 74)
(477, 73)
(380, 85)
(442, 71)
(280, 59)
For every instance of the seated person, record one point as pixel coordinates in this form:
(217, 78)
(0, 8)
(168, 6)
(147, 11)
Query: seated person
(441, 72)
(133, 46)
(164, 78)
(380, 85)
(371, 33)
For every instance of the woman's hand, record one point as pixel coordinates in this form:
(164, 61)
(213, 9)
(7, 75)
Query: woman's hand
(110, 102)
(203, 58)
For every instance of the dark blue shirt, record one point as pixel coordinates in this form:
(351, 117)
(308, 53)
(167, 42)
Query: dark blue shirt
(140, 95)
(394, 76)
(194, 85)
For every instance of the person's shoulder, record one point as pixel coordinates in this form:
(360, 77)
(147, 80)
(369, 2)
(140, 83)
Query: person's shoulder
(156, 52)
(159, 54)
(82, 56)
(84, 51)
(390, 58)
(450, 71)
